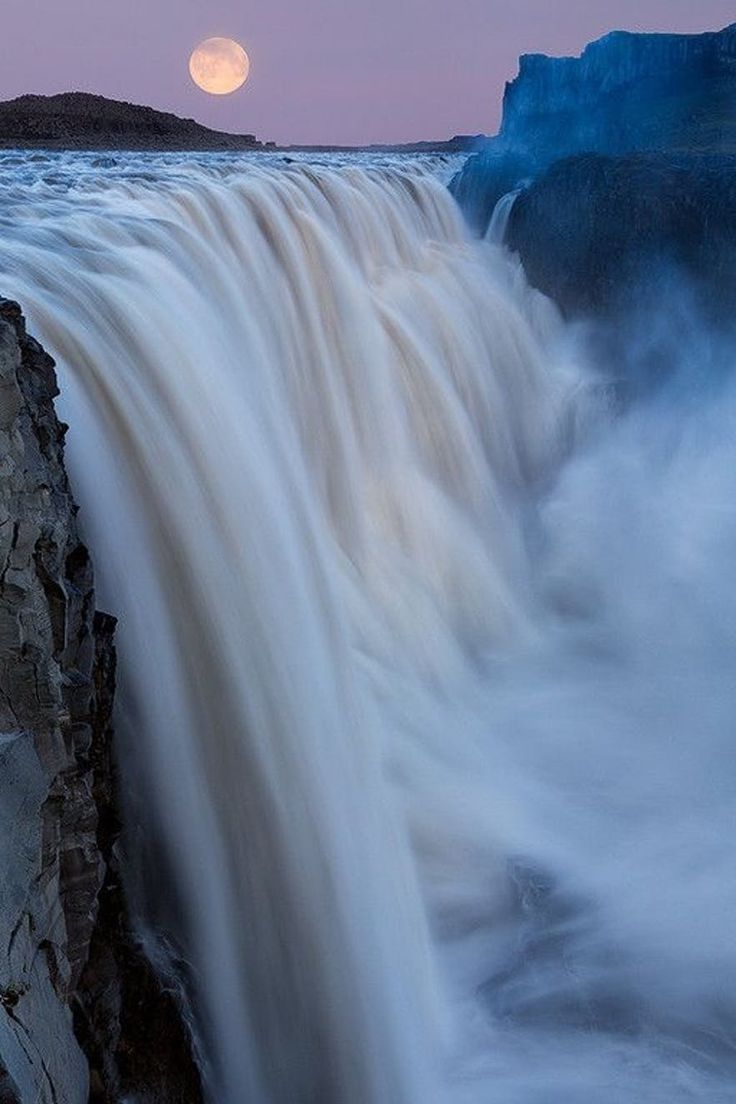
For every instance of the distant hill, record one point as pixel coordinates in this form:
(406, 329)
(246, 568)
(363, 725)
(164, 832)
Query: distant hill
(460, 143)
(80, 120)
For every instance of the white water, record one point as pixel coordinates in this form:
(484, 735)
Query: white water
(499, 224)
(427, 657)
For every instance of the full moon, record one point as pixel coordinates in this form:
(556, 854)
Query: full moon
(219, 66)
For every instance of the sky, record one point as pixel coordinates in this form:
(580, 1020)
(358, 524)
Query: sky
(323, 71)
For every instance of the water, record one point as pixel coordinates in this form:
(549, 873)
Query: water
(427, 646)
(497, 227)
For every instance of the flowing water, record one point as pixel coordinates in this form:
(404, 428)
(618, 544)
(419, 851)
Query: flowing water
(499, 224)
(426, 645)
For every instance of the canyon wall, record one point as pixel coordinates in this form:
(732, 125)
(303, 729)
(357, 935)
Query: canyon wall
(626, 93)
(82, 1015)
(599, 233)
(624, 160)
(51, 645)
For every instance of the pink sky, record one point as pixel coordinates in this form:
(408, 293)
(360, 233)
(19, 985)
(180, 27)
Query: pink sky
(334, 71)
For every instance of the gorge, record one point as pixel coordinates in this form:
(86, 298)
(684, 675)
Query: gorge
(424, 627)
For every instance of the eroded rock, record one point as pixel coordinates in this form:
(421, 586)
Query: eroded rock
(82, 1013)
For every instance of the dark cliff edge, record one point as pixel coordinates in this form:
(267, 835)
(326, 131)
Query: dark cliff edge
(80, 120)
(625, 161)
(594, 232)
(82, 1014)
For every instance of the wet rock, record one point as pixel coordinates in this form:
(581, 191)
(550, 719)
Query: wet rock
(599, 233)
(52, 869)
(76, 990)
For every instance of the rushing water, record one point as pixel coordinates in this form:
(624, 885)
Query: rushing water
(499, 224)
(427, 650)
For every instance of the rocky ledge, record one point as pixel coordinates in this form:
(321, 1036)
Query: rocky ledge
(82, 1014)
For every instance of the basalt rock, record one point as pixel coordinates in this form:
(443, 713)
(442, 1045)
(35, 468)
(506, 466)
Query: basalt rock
(625, 94)
(598, 234)
(82, 1013)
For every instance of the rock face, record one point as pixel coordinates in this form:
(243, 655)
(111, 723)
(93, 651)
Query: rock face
(485, 178)
(78, 120)
(52, 868)
(598, 233)
(626, 93)
(625, 161)
(70, 970)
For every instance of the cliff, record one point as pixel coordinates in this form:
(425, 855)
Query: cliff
(600, 234)
(79, 120)
(75, 990)
(626, 93)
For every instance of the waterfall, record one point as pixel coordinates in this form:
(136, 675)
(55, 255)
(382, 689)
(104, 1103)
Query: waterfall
(499, 223)
(397, 738)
